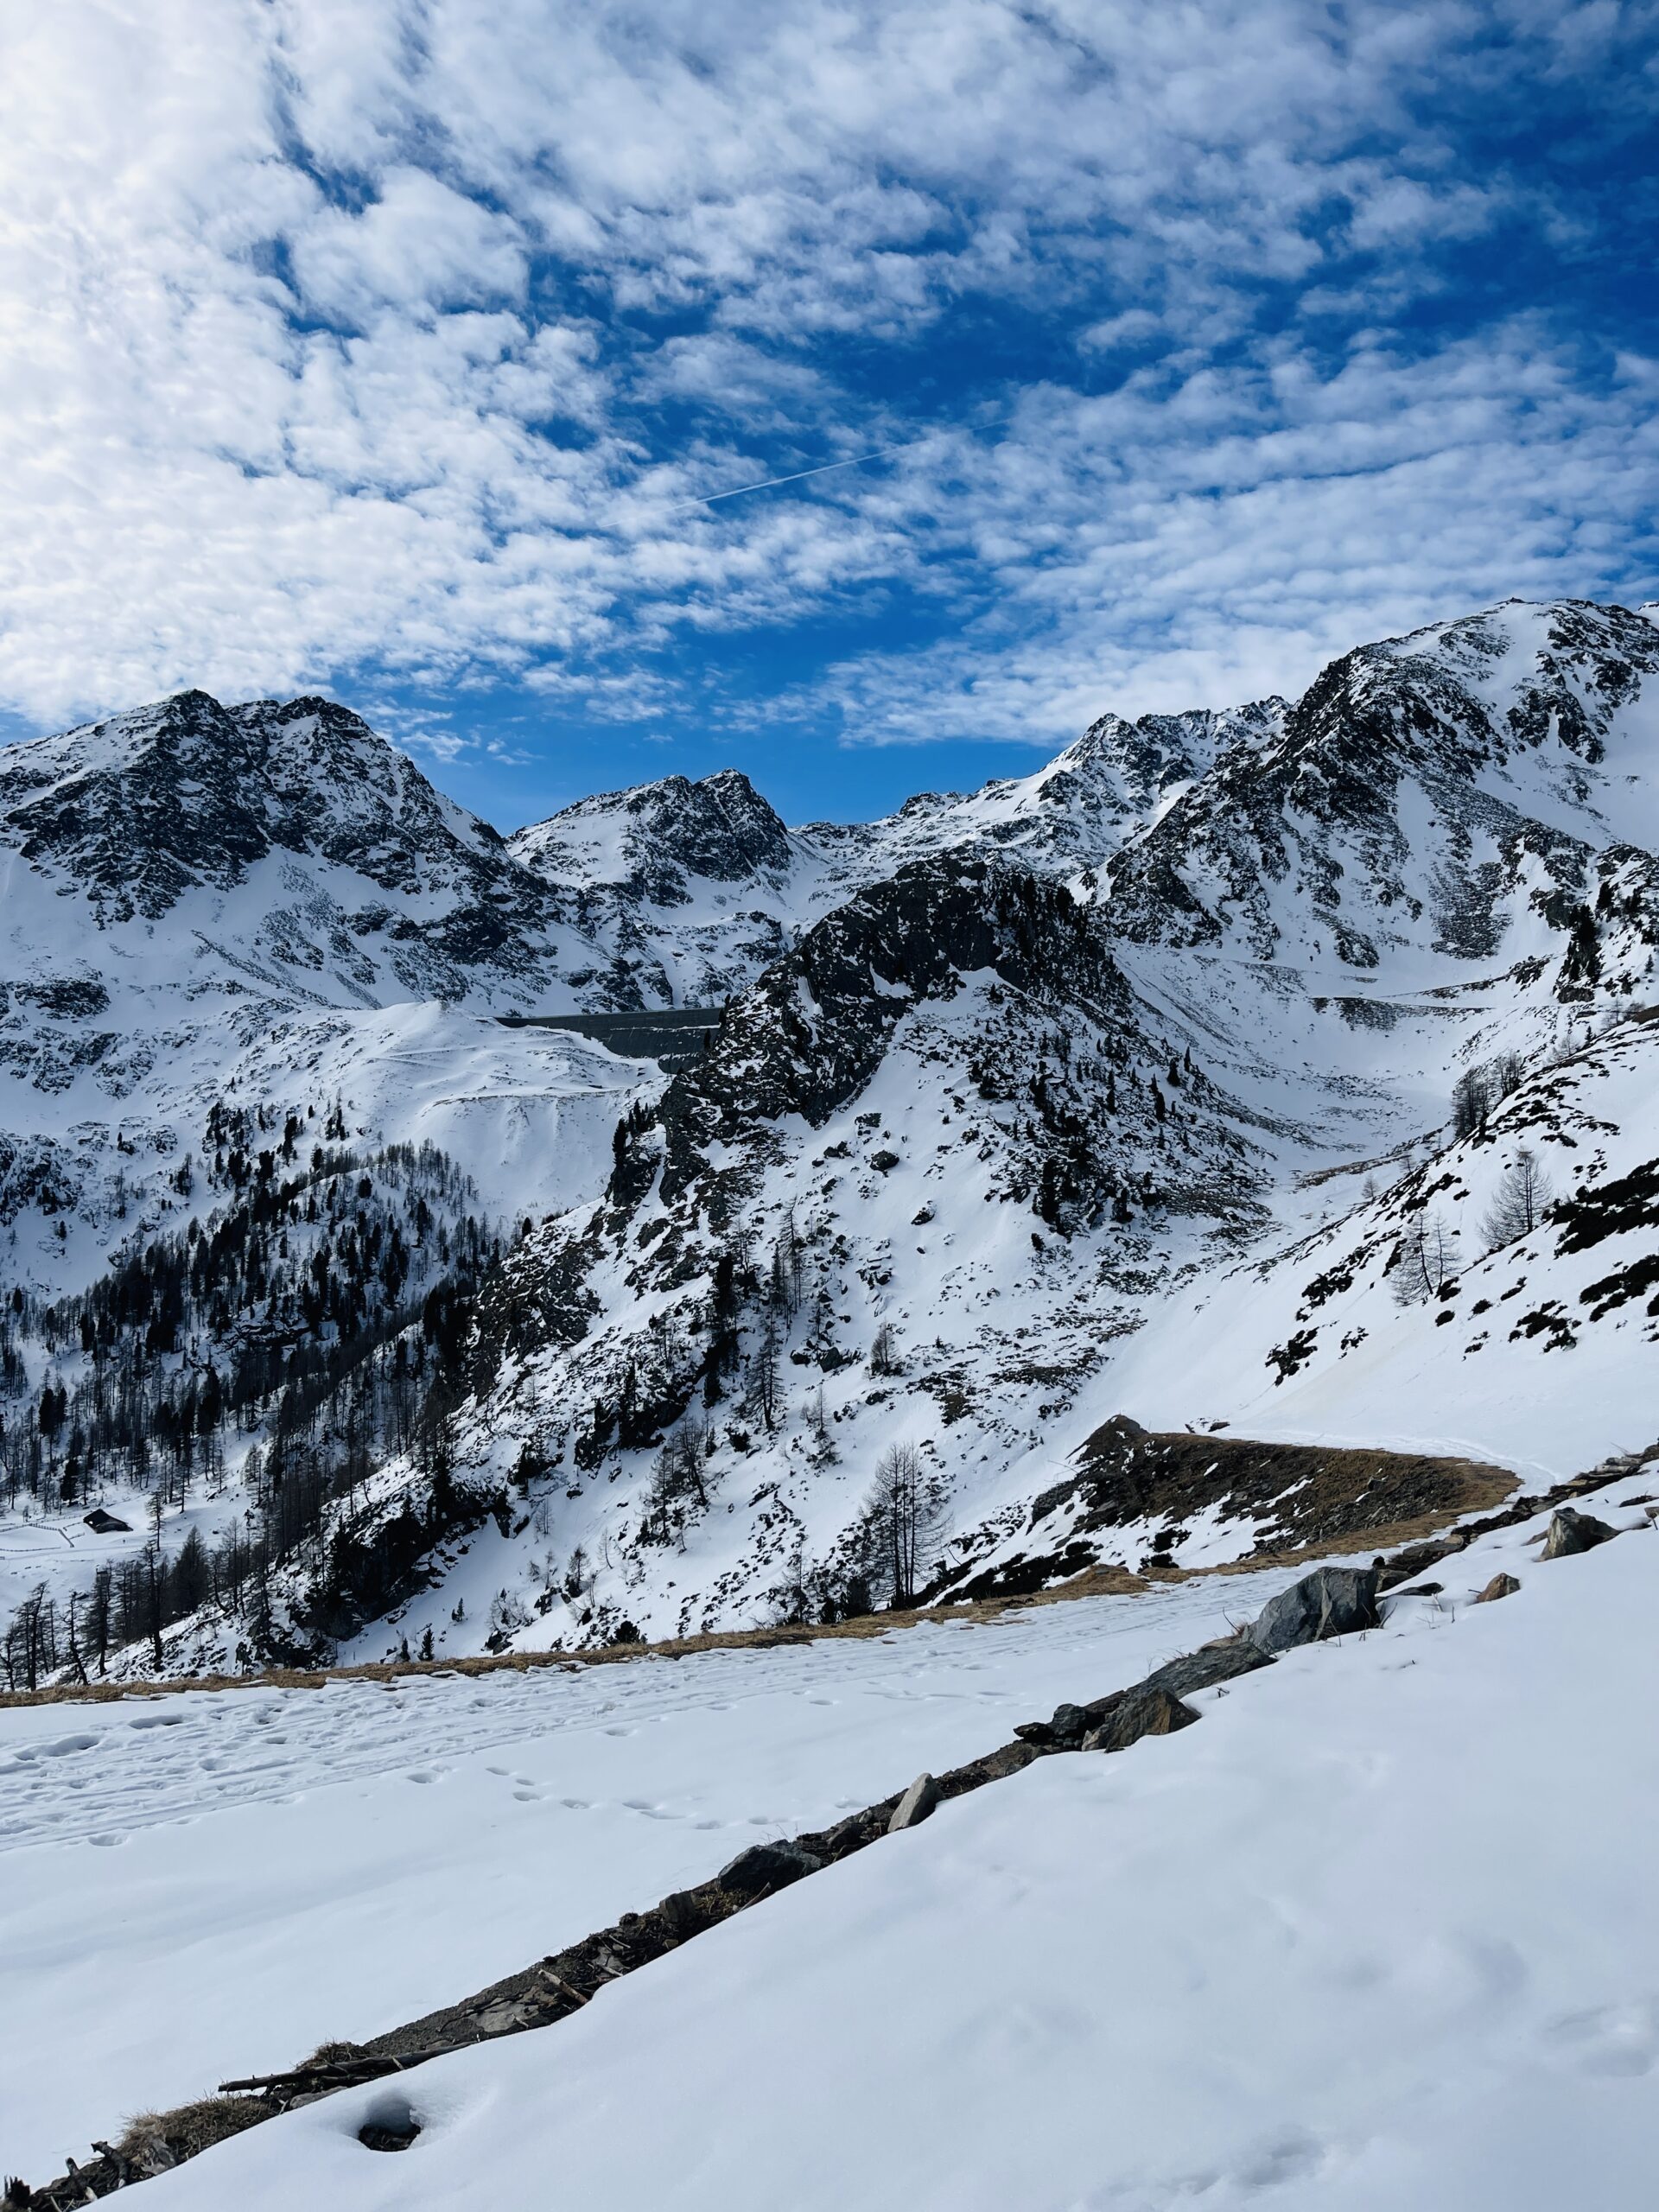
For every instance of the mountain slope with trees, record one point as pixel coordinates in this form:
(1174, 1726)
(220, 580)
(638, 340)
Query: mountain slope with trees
(1284, 1071)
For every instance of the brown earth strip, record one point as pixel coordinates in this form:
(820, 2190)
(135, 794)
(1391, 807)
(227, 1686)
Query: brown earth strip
(1125, 1472)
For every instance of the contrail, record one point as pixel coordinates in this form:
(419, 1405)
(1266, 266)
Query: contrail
(823, 469)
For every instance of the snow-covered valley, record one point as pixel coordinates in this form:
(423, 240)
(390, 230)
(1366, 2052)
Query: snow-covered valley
(1230, 1148)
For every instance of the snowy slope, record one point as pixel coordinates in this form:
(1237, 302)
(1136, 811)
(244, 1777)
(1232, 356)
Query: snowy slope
(1373, 1934)
(1542, 1353)
(362, 1854)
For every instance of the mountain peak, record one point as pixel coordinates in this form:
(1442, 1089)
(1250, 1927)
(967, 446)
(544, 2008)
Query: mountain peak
(187, 793)
(653, 840)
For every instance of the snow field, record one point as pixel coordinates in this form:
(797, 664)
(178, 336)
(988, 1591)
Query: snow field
(201, 1885)
(1379, 1933)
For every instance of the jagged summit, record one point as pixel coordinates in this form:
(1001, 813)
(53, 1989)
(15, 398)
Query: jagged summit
(1471, 788)
(140, 807)
(655, 840)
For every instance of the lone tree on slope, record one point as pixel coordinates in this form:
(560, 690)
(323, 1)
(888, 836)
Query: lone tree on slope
(1519, 1205)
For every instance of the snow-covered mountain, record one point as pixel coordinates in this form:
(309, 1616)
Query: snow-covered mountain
(696, 889)
(1125, 1087)
(1468, 793)
(283, 846)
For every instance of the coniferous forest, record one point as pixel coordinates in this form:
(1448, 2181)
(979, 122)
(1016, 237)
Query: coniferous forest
(309, 1320)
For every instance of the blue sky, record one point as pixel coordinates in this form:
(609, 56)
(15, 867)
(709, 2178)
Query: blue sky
(394, 348)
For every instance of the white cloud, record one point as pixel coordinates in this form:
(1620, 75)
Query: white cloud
(1127, 564)
(418, 245)
(326, 342)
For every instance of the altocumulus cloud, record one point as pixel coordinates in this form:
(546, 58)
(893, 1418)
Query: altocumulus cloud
(401, 342)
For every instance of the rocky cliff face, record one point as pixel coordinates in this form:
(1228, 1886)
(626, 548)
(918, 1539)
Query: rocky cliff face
(1477, 792)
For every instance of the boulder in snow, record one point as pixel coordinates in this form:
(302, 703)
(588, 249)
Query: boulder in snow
(1501, 1585)
(915, 1805)
(1331, 1601)
(1143, 1711)
(1571, 1532)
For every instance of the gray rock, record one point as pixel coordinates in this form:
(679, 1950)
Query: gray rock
(1140, 1712)
(1571, 1532)
(1209, 1664)
(1501, 1585)
(679, 1912)
(915, 1805)
(996, 1766)
(766, 1866)
(1331, 1601)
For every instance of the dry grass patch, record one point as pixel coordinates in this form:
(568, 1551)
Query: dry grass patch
(189, 2128)
(1456, 1487)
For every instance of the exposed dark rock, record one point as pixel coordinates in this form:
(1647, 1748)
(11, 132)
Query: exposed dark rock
(1331, 1601)
(1221, 1661)
(1570, 1531)
(1140, 1712)
(995, 1766)
(764, 1867)
(680, 1914)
